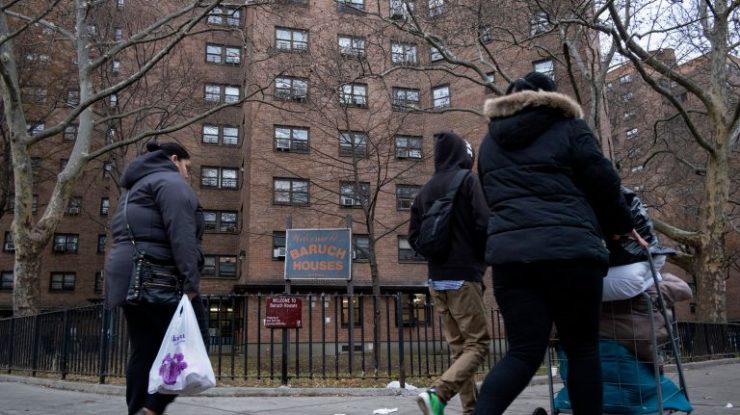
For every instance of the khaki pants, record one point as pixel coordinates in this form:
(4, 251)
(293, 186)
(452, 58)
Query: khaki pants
(466, 330)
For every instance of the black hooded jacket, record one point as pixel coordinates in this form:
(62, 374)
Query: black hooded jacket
(166, 220)
(470, 216)
(551, 193)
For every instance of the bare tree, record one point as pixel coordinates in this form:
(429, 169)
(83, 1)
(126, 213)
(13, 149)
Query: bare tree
(77, 39)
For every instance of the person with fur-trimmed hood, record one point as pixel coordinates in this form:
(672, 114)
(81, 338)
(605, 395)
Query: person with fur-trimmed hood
(553, 199)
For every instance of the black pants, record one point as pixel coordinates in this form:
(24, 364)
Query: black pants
(147, 325)
(532, 297)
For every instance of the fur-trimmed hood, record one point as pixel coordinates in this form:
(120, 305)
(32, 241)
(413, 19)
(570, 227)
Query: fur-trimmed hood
(519, 119)
(511, 104)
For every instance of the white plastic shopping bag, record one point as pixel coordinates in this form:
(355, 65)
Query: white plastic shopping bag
(182, 365)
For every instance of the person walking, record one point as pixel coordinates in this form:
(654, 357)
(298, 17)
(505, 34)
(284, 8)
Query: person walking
(165, 217)
(455, 279)
(553, 199)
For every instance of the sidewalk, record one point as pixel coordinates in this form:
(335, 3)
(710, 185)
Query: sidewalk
(711, 386)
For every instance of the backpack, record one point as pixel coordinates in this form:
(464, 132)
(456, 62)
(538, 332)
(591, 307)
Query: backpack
(434, 232)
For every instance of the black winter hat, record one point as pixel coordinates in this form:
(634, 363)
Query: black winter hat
(533, 81)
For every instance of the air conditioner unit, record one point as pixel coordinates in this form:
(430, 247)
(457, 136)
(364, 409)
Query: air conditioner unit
(282, 146)
(416, 154)
(348, 201)
(279, 252)
(354, 254)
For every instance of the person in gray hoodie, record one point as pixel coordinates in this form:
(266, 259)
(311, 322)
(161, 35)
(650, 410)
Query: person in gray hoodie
(167, 222)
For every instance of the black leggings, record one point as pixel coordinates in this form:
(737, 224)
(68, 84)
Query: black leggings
(532, 297)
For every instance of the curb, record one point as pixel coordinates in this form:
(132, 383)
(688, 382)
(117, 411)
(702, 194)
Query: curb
(286, 391)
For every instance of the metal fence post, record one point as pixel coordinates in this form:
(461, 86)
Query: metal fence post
(399, 322)
(10, 345)
(65, 341)
(104, 345)
(35, 344)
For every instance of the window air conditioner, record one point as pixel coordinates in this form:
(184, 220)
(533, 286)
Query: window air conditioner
(348, 201)
(279, 252)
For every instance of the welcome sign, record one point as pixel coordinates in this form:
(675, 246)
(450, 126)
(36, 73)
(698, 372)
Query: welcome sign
(318, 254)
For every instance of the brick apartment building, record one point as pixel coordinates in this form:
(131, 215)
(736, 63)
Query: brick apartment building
(649, 139)
(341, 112)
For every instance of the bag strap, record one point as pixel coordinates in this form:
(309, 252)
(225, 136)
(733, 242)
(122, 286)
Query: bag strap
(125, 217)
(456, 183)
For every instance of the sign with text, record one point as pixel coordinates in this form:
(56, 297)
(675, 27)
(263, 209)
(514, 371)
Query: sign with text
(283, 312)
(318, 254)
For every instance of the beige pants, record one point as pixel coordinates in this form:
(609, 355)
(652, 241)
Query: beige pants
(466, 330)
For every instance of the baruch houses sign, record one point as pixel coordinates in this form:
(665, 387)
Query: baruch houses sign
(318, 254)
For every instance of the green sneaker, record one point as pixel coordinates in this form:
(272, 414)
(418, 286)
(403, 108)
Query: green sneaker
(430, 403)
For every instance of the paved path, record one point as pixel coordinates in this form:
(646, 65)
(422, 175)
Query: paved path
(710, 388)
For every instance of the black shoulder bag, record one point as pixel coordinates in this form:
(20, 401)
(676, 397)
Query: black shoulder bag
(434, 233)
(153, 280)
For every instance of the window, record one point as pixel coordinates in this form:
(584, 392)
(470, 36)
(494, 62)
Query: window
(354, 95)
(403, 53)
(107, 169)
(401, 8)
(6, 281)
(350, 5)
(406, 252)
(36, 164)
(37, 58)
(485, 34)
(539, 23)
(8, 245)
(360, 247)
(63, 164)
(406, 99)
(117, 34)
(219, 266)
(352, 144)
(66, 243)
(408, 146)
(101, 243)
(354, 194)
(215, 134)
(73, 97)
(291, 89)
(405, 195)
(291, 139)
(104, 206)
(627, 96)
(628, 115)
(74, 207)
(351, 45)
(625, 79)
(62, 281)
(637, 169)
(99, 281)
(491, 79)
(219, 177)
(110, 135)
(220, 54)
(70, 132)
(291, 40)
(34, 94)
(221, 221)
(222, 93)
(278, 245)
(37, 128)
(286, 191)
(545, 67)
(34, 203)
(632, 133)
(226, 16)
(113, 100)
(356, 311)
(115, 66)
(119, 4)
(416, 310)
(435, 55)
(436, 7)
(441, 96)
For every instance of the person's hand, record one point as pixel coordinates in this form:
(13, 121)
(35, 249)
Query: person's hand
(636, 236)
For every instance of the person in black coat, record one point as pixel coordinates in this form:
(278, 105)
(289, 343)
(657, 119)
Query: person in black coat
(553, 200)
(167, 222)
(455, 278)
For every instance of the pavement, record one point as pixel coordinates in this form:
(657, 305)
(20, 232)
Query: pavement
(713, 387)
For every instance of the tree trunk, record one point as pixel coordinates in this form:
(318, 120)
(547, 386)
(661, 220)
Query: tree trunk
(376, 312)
(26, 279)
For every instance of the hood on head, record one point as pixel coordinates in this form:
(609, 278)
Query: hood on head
(451, 152)
(146, 164)
(519, 118)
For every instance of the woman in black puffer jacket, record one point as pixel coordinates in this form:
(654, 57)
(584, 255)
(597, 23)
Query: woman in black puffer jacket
(553, 199)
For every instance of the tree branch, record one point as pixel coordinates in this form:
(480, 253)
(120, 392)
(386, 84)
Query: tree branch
(679, 235)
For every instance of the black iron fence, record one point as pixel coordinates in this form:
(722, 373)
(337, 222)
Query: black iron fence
(342, 337)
